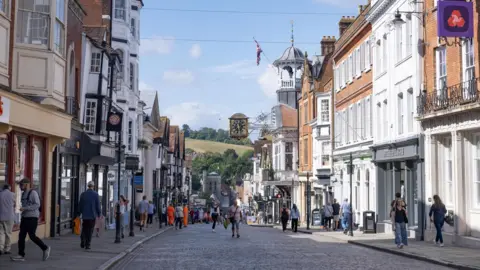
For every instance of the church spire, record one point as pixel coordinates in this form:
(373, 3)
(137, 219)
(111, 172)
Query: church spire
(292, 39)
(155, 114)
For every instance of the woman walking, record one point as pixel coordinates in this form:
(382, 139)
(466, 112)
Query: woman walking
(328, 216)
(214, 217)
(400, 217)
(235, 216)
(295, 215)
(123, 209)
(437, 216)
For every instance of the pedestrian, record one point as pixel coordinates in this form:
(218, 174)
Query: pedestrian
(7, 218)
(437, 216)
(192, 216)
(170, 214)
(151, 212)
(185, 216)
(235, 216)
(143, 211)
(201, 215)
(328, 211)
(284, 217)
(89, 209)
(28, 224)
(400, 218)
(123, 209)
(178, 216)
(214, 217)
(336, 214)
(295, 215)
(346, 211)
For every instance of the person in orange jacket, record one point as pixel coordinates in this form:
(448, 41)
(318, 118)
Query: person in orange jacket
(185, 215)
(170, 214)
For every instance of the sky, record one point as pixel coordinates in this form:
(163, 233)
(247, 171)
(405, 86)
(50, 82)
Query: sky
(203, 83)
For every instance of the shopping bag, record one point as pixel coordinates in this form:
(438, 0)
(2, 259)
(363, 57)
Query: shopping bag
(99, 225)
(76, 226)
(225, 223)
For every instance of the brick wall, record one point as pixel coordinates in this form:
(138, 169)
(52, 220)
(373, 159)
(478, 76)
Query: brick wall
(75, 16)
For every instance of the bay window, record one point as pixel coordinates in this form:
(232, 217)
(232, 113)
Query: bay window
(325, 110)
(33, 22)
(289, 156)
(59, 29)
(120, 11)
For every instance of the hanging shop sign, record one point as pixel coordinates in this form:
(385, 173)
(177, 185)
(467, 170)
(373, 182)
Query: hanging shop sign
(238, 126)
(114, 122)
(455, 19)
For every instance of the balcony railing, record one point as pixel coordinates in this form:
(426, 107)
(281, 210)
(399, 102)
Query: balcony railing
(290, 83)
(71, 106)
(448, 98)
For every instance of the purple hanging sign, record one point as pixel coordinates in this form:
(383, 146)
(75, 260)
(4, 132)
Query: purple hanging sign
(455, 19)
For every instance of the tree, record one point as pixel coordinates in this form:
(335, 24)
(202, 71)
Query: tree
(186, 129)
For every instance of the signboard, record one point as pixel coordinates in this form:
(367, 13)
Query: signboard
(199, 202)
(131, 163)
(138, 183)
(251, 220)
(107, 151)
(114, 122)
(4, 110)
(455, 19)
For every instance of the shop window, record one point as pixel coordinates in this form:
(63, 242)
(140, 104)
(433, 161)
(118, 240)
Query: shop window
(38, 166)
(3, 158)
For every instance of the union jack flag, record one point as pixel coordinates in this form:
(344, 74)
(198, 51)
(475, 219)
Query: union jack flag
(259, 52)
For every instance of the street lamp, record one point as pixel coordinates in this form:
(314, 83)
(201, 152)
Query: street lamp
(350, 171)
(308, 200)
(121, 148)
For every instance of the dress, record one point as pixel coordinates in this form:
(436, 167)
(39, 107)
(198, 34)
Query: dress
(171, 215)
(185, 216)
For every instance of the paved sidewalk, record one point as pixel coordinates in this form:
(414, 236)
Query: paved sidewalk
(67, 254)
(450, 256)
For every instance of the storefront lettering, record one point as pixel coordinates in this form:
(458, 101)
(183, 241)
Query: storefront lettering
(107, 151)
(394, 153)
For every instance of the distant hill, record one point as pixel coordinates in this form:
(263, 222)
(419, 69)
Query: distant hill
(201, 146)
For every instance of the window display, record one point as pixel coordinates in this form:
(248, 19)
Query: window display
(3, 160)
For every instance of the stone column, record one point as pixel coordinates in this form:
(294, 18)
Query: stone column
(459, 186)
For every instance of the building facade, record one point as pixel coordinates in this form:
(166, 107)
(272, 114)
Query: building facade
(398, 145)
(353, 125)
(33, 118)
(448, 112)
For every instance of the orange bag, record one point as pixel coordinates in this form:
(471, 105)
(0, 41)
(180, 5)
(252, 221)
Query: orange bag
(76, 226)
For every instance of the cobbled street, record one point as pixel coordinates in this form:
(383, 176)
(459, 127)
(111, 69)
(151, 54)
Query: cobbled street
(197, 247)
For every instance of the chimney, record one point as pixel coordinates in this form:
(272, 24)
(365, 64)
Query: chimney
(327, 45)
(344, 23)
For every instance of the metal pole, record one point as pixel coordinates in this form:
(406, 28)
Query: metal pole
(351, 195)
(118, 216)
(132, 209)
(308, 200)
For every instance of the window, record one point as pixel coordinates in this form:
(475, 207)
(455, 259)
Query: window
(95, 62)
(368, 119)
(289, 156)
(305, 152)
(362, 57)
(345, 129)
(401, 115)
(120, 71)
(353, 122)
(368, 55)
(38, 166)
(385, 119)
(360, 122)
(132, 27)
(33, 19)
(380, 120)
(352, 68)
(448, 171)
(120, 9)
(350, 126)
(470, 87)
(3, 6)
(409, 36)
(357, 62)
(441, 70)
(90, 115)
(476, 176)
(385, 54)
(410, 111)
(378, 55)
(132, 76)
(399, 49)
(59, 30)
(357, 193)
(325, 111)
(130, 135)
(4, 159)
(305, 113)
(326, 153)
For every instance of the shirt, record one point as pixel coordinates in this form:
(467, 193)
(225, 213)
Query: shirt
(143, 207)
(30, 204)
(295, 214)
(346, 208)
(179, 212)
(151, 208)
(336, 209)
(7, 205)
(235, 212)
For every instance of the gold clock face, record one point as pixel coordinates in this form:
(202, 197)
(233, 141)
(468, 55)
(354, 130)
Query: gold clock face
(238, 128)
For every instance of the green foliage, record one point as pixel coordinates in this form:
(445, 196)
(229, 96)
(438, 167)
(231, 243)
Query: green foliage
(229, 165)
(216, 135)
(189, 151)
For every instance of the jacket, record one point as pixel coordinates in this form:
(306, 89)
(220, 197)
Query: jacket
(89, 205)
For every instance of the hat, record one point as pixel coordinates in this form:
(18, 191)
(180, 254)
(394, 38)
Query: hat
(24, 181)
(91, 184)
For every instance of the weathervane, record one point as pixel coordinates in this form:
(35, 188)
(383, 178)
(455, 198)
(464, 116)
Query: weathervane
(291, 22)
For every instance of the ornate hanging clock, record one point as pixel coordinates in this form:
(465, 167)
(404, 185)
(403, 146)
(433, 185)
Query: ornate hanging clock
(238, 126)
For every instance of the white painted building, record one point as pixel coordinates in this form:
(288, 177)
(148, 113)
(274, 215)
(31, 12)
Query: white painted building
(397, 145)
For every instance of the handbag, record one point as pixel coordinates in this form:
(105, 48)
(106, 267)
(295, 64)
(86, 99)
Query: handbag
(232, 218)
(76, 226)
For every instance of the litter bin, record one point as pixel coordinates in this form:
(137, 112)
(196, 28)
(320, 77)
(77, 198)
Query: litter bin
(369, 222)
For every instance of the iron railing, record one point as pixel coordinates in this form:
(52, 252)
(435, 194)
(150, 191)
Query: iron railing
(449, 97)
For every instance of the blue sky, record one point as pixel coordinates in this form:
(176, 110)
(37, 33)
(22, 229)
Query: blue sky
(203, 83)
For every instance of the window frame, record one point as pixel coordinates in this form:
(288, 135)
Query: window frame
(409, 36)
(41, 16)
(133, 27)
(468, 70)
(132, 76)
(5, 8)
(325, 113)
(118, 10)
(60, 23)
(400, 113)
(95, 62)
(448, 176)
(93, 124)
(441, 77)
(399, 44)
(130, 135)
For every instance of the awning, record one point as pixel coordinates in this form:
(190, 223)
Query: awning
(97, 152)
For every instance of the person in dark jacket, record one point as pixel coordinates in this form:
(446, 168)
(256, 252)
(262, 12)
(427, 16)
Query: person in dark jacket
(284, 216)
(437, 216)
(89, 209)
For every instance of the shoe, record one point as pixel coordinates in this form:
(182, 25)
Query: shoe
(82, 245)
(213, 230)
(238, 235)
(401, 246)
(7, 252)
(88, 248)
(442, 245)
(18, 258)
(46, 253)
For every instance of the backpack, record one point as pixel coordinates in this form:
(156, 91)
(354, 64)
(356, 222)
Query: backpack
(284, 214)
(28, 199)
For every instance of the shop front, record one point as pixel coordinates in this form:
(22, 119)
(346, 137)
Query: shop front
(29, 133)
(66, 167)
(400, 168)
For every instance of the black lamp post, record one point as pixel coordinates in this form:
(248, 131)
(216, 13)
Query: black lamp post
(118, 216)
(132, 209)
(308, 200)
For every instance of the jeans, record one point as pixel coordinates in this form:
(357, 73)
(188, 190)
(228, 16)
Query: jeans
(214, 220)
(294, 224)
(401, 233)
(179, 222)
(29, 226)
(87, 232)
(439, 236)
(328, 222)
(5, 235)
(150, 219)
(346, 221)
(235, 224)
(284, 224)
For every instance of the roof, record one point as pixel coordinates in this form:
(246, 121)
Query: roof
(173, 139)
(316, 66)
(96, 34)
(171, 145)
(290, 55)
(182, 144)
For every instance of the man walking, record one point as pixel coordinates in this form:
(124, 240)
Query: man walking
(346, 211)
(7, 213)
(29, 221)
(178, 216)
(336, 214)
(89, 208)
(143, 211)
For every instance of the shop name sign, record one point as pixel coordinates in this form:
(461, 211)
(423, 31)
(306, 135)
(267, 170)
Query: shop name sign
(394, 153)
(138, 183)
(4, 110)
(455, 19)
(107, 151)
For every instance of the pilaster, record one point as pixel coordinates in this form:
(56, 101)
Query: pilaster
(459, 196)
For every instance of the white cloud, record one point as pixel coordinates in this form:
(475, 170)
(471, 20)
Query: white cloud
(178, 76)
(196, 115)
(343, 4)
(268, 81)
(245, 69)
(159, 45)
(196, 51)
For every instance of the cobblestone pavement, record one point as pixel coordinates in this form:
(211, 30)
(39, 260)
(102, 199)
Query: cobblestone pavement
(258, 248)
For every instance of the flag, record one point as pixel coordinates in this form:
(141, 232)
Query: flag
(259, 51)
